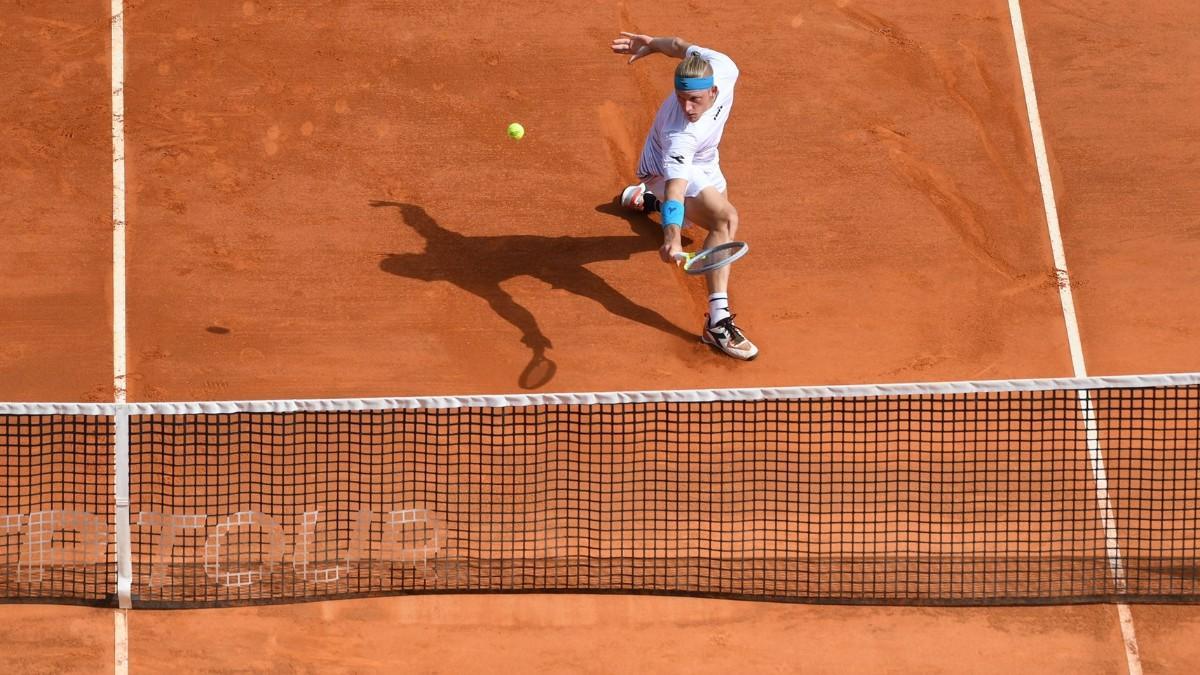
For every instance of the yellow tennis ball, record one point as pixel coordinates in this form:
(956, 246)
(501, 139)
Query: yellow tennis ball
(516, 131)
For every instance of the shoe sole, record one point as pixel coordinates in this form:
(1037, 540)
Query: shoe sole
(631, 193)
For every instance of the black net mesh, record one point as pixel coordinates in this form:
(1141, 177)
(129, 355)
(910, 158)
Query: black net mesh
(56, 509)
(1005, 497)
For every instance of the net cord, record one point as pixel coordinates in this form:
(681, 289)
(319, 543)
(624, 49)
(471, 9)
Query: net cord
(667, 396)
(121, 497)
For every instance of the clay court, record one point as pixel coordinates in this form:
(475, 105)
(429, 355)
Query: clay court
(321, 202)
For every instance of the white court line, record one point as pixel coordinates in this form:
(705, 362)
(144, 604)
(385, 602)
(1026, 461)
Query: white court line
(121, 630)
(118, 221)
(117, 19)
(1095, 452)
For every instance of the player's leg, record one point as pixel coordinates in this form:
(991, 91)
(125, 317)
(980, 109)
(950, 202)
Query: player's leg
(706, 204)
(712, 210)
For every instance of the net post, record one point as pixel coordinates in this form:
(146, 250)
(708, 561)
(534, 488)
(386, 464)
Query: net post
(121, 494)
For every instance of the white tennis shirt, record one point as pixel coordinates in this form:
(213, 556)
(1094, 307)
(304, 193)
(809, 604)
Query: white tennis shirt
(674, 144)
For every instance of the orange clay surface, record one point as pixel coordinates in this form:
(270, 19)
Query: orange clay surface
(322, 202)
(1119, 89)
(331, 184)
(55, 204)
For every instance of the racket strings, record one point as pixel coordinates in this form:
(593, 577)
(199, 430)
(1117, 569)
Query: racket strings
(716, 257)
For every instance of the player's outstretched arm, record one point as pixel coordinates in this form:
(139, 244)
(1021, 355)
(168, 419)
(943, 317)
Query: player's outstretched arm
(645, 45)
(672, 240)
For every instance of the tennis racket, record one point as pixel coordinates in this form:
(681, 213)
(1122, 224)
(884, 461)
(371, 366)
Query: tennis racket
(713, 258)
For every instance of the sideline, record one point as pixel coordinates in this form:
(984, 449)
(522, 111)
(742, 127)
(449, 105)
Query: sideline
(1095, 454)
(117, 20)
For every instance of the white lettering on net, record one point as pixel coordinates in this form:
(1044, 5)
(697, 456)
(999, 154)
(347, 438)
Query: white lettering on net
(399, 535)
(215, 546)
(40, 551)
(165, 544)
(10, 524)
(305, 548)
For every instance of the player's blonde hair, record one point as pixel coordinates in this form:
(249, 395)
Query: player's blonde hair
(693, 66)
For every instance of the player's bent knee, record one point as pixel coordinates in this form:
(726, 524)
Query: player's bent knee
(726, 224)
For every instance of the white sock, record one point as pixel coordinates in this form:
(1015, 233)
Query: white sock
(718, 307)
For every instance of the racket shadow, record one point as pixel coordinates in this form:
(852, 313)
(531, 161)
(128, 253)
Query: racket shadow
(479, 264)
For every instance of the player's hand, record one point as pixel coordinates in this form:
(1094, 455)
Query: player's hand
(669, 249)
(630, 43)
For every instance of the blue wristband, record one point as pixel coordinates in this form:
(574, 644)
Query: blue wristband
(672, 213)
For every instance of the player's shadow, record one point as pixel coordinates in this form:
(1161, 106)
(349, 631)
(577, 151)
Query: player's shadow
(479, 264)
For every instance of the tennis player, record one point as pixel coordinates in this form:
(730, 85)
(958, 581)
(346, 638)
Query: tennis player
(679, 171)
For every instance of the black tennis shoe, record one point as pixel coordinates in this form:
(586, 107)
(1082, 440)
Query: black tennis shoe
(638, 198)
(727, 337)
(632, 197)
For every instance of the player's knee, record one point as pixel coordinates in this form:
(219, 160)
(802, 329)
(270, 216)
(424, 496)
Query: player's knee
(727, 223)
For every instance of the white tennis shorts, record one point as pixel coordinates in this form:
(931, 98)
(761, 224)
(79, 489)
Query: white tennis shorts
(708, 175)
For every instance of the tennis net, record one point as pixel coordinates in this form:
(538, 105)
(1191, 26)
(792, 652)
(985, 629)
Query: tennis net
(1028, 491)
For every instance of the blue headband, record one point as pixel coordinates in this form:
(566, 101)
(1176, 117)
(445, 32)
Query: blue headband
(693, 83)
